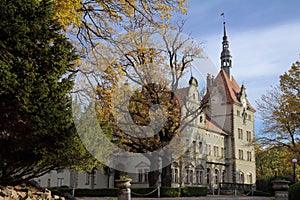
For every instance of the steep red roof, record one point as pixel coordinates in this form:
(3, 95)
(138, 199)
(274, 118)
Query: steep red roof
(230, 89)
(211, 126)
(181, 94)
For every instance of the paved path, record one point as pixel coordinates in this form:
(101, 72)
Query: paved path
(209, 197)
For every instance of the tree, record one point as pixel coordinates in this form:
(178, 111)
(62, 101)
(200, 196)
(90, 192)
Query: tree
(280, 111)
(36, 130)
(96, 19)
(153, 75)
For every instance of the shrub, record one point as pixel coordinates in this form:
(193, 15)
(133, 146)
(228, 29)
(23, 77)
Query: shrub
(193, 191)
(170, 192)
(294, 191)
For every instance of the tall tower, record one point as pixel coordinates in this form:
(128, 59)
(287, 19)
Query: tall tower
(226, 58)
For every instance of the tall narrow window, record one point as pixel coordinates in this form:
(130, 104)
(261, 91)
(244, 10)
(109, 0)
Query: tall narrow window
(223, 176)
(200, 147)
(249, 155)
(241, 154)
(240, 133)
(222, 152)
(87, 178)
(194, 147)
(175, 175)
(216, 176)
(248, 136)
(208, 176)
(189, 176)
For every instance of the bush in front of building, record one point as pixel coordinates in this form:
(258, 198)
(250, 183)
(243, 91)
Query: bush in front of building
(170, 192)
(193, 191)
(265, 184)
(294, 191)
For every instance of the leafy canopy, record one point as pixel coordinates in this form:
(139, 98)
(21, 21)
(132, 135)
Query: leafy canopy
(36, 129)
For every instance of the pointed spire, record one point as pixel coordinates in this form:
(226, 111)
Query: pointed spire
(225, 36)
(226, 61)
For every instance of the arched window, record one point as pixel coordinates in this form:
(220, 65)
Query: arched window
(242, 178)
(249, 178)
(208, 176)
(216, 176)
(223, 176)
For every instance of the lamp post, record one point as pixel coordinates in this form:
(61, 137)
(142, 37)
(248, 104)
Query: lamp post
(275, 171)
(294, 177)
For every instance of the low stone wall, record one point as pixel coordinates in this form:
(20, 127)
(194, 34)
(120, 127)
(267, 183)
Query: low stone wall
(27, 192)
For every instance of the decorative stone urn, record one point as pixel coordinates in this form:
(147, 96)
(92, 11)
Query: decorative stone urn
(281, 189)
(122, 184)
(124, 192)
(280, 185)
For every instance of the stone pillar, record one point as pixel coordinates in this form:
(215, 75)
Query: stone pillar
(281, 189)
(124, 192)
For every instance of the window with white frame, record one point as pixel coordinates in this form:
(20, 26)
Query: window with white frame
(143, 175)
(248, 136)
(249, 178)
(200, 147)
(199, 176)
(216, 176)
(216, 151)
(189, 176)
(175, 175)
(249, 155)
(208, 176)
(60, 182)
(240, 133)
(242, 178)
(241, 154)
(222, 152)
(223, 176)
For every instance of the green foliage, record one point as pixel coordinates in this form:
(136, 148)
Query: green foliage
(36, 129)
(265, 184)
(294, 191)
(193, 191)
(280, 111)
(170, 192)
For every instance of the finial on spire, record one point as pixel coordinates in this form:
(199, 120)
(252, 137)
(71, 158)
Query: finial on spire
(226, 61)
(224, 23)
(223, 15)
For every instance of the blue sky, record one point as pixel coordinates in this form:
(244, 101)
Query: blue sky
(264, 38)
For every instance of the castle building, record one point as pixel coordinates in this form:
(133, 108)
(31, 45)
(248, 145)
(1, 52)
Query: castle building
(221, 152)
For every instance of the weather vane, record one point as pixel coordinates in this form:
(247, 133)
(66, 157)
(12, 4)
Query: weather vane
(223, 15)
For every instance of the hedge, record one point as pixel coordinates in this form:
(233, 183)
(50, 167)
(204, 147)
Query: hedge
(294, 191)
(193, 191)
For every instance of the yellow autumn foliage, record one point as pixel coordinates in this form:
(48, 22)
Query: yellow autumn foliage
(71, 12)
